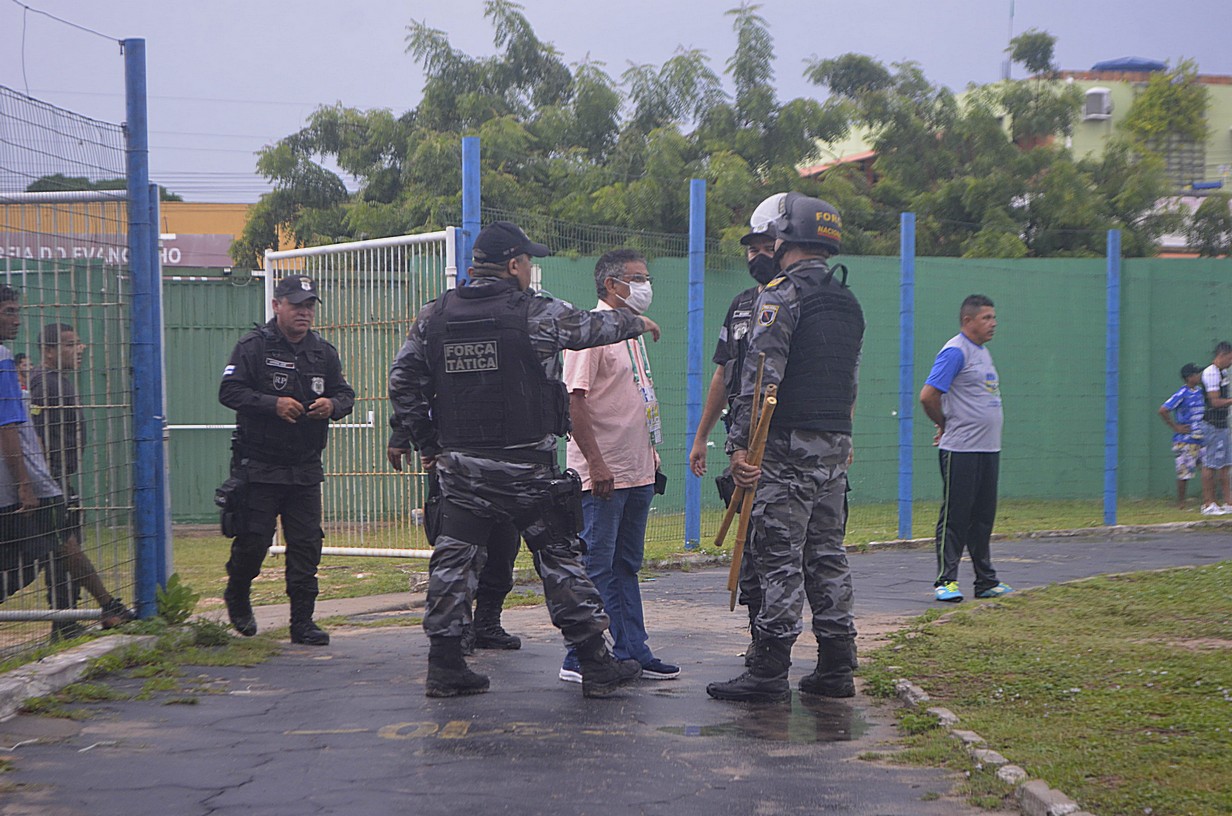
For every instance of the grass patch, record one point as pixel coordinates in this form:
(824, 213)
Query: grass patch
(161, 667)
(1116, 690)
(199, 558)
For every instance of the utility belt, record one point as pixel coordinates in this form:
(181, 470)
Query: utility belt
(557, 515)
(524, 456)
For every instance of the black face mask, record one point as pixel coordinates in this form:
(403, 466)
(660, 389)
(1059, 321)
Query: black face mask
(763, 268)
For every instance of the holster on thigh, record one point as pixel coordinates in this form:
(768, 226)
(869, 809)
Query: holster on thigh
(557, 519)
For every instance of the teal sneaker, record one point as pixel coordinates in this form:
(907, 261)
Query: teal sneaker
(995, 592)
(949, 592)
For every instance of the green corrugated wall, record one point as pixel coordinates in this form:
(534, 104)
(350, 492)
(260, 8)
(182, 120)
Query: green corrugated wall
(1049, 350)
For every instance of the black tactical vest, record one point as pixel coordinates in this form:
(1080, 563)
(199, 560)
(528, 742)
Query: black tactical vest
(819, 383)
(490, 388)
(738, 342)
(1217, 417)
(265, 437)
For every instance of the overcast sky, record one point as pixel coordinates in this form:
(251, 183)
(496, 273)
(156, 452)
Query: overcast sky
(229, 76)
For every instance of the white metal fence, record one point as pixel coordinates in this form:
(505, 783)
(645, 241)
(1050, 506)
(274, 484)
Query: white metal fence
(370, 293)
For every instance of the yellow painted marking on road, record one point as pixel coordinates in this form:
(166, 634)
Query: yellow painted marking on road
(311, 732)
(408, 730)
(455, 729)
(525, 729)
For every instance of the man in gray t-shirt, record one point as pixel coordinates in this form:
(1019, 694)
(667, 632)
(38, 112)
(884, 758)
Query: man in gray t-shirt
(962, 396)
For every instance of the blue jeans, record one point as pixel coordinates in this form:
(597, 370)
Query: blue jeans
(615, 535)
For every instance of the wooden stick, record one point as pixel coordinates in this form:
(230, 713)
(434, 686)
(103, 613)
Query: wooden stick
(758, 396)
(757, 448)
(738, 495)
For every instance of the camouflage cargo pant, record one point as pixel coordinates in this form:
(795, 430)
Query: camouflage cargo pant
(796, 530)
(478, 493)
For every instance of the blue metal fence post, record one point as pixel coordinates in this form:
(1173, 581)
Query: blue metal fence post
(906, 369)
(1112, 374)
(696, 327)
(162, 475)
(147, 395)
(470, 205)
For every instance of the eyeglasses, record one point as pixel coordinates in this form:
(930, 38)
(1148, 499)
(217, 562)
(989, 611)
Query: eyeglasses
(634, 279)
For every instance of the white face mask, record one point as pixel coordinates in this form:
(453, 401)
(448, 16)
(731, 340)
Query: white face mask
(640, 296)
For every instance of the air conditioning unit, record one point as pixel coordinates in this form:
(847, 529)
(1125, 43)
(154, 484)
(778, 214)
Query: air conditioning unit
(1097, 105)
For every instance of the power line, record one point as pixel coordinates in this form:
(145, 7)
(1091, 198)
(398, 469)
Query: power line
(58, 20)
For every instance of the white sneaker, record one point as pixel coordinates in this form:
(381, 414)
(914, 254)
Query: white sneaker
(1213, 510)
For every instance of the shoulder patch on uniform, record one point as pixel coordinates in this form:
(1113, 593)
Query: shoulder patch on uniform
(228, 371)
(767, 314)
(776, 281)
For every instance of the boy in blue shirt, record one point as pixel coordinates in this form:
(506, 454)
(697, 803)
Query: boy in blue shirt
(1182, 412)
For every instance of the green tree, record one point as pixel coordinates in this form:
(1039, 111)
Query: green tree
(1033, 49)
(1210, 230)
(1173, 103)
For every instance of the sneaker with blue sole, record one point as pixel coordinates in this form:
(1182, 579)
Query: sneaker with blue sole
(949, 592)
(995, 592)
(658, 670)
(570, 669)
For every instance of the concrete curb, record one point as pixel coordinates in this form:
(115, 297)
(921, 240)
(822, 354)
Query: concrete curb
(1035, 798)
(56, 671)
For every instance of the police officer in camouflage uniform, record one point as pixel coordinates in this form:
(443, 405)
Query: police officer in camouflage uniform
(285, 384)
(811, 328)
(477, 387)
(729, 357)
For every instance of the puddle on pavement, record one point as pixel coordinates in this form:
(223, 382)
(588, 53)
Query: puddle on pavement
(806, 720)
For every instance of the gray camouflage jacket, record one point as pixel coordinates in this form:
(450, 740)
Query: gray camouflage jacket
(554, 325)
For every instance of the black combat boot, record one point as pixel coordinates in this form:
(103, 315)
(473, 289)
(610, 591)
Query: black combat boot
(303, 630)
(754, 611)
(489, 634)
(832, 677)
(448, 675)
(239, 607)
(766, 679)
(468, 640)
(601, 672)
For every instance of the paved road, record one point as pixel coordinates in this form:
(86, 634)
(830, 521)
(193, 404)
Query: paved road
(347, 729)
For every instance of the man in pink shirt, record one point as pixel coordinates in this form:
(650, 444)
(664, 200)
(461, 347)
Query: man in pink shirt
(615, 427)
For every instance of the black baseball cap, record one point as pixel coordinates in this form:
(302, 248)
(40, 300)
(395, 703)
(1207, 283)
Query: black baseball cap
(501, 241)
(1189, 369)
(296, 289)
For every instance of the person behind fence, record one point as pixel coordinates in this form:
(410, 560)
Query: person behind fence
(811, 328)
(477, 388)
(22, 362)
(616, 425)
(1216, 437)
(495, 573)
(285, 384)
(31, 505)
(962, 396)
(1182, 412)
(729, 356)
(58, 419)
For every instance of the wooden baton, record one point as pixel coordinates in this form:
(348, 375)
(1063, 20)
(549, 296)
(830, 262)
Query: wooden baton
(757, 448)
(737, 498)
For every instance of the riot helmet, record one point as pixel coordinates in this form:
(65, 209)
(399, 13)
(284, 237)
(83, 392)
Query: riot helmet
(762, 219)
(809, 221)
